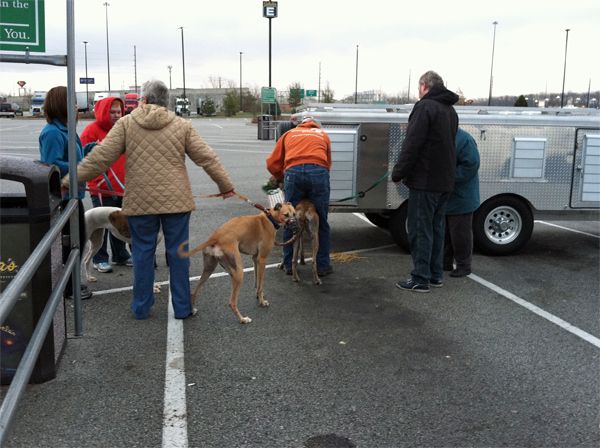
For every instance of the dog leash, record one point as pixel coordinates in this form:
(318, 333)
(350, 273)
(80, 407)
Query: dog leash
(103, 191)
(361, 194)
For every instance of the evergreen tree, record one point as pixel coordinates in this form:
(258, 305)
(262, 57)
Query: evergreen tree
(521, 102)
(294, 98)
(231, 103)
(208, 107)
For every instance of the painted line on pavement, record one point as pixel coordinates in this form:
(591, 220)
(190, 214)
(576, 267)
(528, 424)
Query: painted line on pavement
(537, 310)
(567, 228)
(174, 434)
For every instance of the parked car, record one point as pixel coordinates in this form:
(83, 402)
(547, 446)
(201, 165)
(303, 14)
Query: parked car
(6, 110)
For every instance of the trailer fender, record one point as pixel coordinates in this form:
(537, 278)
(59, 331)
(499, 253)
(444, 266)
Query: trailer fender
(502, 225)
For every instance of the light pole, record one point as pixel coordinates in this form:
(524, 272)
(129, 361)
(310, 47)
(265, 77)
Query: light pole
(492, 67)
(169, 67)
(356, 79)
(270, 12)
(241, 106)
(183, 60)
(135, 69)
(106, 4)
(562, 95)
(87, 95)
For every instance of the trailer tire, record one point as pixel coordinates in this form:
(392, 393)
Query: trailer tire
(398, 226)
(381, 220)
(502, 225)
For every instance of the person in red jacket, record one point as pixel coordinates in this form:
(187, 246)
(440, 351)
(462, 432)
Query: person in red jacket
(107, 111)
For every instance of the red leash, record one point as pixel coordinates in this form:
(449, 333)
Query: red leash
(104, 192)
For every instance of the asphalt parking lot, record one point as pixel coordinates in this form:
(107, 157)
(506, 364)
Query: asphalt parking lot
(509, 356)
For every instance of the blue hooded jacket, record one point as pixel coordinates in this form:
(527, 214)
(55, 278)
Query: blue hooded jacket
(465, 196)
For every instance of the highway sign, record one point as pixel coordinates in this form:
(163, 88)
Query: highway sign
(22, 26)
(268, 95)
(311, 93)
(86, 80)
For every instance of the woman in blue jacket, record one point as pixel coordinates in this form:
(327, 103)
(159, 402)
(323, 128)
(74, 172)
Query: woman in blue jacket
(463, 201)
(54, 150)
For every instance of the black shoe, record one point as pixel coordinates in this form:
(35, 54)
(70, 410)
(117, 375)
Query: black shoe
(325, 271)
(288, 271)
(460, 273)
(448, 267)
(85, 293)
(436, 283)
(411, 285)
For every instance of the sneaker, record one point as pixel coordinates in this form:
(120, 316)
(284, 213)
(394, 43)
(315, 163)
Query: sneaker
(436, 283)
(460, 273)
(411, 285)
(128, 262)
(325, 271)
(85, 293)
(103, 267)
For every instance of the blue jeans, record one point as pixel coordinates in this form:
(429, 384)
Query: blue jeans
(144, 231)
(425, 220)
(119, 251)
(311, 182)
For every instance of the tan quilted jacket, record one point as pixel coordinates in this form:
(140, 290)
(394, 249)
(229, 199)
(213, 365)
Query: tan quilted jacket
(155, 143)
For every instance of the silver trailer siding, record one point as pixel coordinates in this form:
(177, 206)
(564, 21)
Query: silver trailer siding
(532, 166)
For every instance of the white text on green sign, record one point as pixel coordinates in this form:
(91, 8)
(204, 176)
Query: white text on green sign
(22, 25)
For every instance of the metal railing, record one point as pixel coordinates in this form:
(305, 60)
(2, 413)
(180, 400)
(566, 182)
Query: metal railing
(9, 298)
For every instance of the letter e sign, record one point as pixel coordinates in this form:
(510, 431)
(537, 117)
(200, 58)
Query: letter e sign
(270, 10)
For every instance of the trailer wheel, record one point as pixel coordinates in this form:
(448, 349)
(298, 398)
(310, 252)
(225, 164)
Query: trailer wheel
(381, 220)
(398, 226)
(502, 225)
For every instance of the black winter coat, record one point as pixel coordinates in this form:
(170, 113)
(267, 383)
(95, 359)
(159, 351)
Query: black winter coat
(428, 157)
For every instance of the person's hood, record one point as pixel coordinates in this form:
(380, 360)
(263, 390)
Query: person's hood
(151, 116)
(102, 111)
(441, 95)
(309, 124)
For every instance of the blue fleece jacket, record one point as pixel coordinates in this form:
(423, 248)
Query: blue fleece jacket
(465, 196)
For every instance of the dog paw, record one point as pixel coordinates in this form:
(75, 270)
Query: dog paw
(318, 282)
(194, 311)
(156, 288)
(245, 320)
(92, 279)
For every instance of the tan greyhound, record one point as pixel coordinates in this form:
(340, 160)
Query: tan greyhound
(251, 235)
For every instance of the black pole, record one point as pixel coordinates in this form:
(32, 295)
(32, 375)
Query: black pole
(356, 80)
(270, 110)
(87, 94)
(183, 60)
(562, 95)
(106, 4)
(492, 66)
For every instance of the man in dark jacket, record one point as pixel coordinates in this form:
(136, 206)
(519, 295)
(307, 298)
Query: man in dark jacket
(463, 201)
(426, 165)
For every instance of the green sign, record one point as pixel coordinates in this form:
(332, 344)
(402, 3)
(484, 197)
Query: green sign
(268, 95)
(311, 93)
(22, 25)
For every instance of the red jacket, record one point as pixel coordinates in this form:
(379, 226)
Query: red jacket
(114, 178)
(307, 143)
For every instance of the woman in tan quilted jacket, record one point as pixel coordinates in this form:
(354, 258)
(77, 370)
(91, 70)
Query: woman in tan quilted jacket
(157, 189)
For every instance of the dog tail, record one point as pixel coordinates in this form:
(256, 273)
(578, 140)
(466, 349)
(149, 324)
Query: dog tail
(183, 254)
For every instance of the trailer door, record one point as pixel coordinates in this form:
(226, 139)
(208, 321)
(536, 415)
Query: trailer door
(586, 176)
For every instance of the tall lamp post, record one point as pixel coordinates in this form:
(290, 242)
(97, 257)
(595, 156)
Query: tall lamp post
(492, 67)
(87, 94)
(169, 67)
(183, 59)
(562, 95)
(270, 12)
(106, 4)
(241, 100)
(356, 79)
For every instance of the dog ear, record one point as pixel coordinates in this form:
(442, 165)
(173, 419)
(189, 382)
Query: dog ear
(277, 206)
(119, 222)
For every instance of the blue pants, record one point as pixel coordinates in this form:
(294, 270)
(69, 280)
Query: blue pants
(426, 218)
(144, 231)
(119, 251)
(311, 182)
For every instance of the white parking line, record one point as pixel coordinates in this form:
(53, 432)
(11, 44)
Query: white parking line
(537, 310)
(567, 228)
(174, 433)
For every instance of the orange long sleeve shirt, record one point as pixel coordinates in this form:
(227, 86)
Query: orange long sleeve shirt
(307, 143)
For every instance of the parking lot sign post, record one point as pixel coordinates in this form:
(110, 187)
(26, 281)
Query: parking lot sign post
(22, 26)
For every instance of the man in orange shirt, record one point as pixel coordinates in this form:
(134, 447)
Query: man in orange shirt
(302, 159)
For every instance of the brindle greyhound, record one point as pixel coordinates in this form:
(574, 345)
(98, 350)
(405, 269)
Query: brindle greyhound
(251, 235)
(308, 221)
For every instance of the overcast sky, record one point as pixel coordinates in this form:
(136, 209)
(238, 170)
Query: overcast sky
(395, 38)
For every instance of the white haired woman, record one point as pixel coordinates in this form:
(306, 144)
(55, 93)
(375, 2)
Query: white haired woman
(157, 190)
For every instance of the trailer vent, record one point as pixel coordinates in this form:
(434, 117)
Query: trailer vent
(528, 157)
(591, 169)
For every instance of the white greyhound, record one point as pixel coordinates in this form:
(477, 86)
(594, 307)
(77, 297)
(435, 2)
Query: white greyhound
(97, 221)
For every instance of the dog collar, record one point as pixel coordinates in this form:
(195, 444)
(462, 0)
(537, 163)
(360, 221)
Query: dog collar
(275, 223)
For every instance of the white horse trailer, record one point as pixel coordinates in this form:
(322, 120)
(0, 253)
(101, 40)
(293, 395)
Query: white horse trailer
(535, 164)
